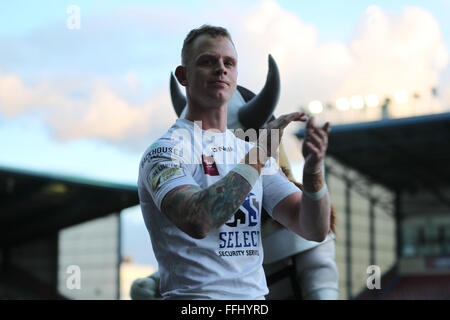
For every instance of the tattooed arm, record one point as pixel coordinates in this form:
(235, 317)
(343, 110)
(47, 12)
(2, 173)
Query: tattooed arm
(199, 211)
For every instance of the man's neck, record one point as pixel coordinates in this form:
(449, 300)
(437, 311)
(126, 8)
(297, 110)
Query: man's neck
(211, 118)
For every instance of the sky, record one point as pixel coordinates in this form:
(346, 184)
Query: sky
(84, 95)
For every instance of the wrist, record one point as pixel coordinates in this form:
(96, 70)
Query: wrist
(316, 196)
(313, 168)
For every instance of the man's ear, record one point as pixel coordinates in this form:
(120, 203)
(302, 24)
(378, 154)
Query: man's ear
(180, 74)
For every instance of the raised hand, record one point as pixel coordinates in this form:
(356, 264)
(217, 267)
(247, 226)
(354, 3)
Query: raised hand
(315, 146)
(270, 138)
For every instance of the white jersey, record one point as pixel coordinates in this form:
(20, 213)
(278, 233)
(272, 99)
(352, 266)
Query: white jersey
(227, 264)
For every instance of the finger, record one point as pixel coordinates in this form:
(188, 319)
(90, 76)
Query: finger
(293, 114)
(313, 148)
(310, 123)
(302, 116)
(317, 142)
(314, 151)
(288, 118)
(326, 127)
(296, 116)
(321, 133)
(315, 138)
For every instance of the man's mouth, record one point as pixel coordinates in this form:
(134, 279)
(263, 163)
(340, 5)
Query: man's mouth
(220, 82)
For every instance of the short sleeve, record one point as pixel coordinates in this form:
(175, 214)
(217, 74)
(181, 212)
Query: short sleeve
(276, 187)
(162, 169)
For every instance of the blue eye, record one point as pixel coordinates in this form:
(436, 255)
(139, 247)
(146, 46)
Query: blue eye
(229, 63)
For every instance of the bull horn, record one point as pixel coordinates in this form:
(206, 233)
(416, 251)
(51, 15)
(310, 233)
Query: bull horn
(255, 113)
(178, 99)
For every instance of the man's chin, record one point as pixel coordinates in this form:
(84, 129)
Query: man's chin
(220, 98)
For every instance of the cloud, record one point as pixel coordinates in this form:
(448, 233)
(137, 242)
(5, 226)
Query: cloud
(308, 68)
(395, 52)
(386, 53)
(14, 96)
(100, 112)
(108, 80)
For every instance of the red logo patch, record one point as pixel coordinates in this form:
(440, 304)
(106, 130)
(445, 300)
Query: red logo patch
(209, 165)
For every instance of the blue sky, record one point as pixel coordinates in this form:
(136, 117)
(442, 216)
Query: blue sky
(87, 102)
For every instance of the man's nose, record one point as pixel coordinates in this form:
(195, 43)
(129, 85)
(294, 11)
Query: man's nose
(220, 68)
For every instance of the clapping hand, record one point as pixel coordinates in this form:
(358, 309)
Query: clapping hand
(315, 146)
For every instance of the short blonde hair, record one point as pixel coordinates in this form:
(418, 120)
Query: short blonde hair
(194, 33)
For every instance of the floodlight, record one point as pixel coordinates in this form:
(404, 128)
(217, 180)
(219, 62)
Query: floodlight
(315, 106)
(357, 102)
(342, 104)
(372, 100)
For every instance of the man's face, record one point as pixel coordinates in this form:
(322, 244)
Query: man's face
(211, 70)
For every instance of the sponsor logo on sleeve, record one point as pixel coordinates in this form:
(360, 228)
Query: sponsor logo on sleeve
(160, 151)
(164, 172)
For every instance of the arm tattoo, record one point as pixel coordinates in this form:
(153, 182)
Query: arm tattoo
(208, 208)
